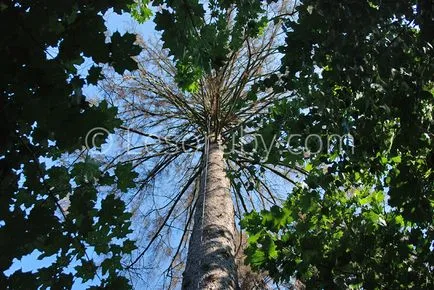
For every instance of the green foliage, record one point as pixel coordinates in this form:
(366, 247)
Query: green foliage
(338, 237)
(125, 176)
(361, 218)
(140, 10)
(120, 47)
(44, 114)
(188, 77)
(202, 45)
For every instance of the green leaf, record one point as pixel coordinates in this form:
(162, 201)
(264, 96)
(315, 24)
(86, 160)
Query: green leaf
(94, 75)
(129, 246)
(125, 176)
(257, 258)
(123, 48)
(269, 247)
(139, 10)
(86, 270)
(58, 180)
(86, 172)
(308, 167)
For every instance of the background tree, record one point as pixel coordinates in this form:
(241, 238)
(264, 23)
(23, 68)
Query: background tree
(362, 218)
(51, 208)
(184, 118)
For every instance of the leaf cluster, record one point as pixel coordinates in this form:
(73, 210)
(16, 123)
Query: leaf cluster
(48, 207)
(363, 217)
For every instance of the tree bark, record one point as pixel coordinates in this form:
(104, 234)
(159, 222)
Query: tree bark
(211, 253)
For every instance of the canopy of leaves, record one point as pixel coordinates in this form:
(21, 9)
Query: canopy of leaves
(363, 217)
(50, 208)
(202, 35)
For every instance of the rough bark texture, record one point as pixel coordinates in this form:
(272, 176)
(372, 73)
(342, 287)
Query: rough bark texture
(211, 256)
(191, 273)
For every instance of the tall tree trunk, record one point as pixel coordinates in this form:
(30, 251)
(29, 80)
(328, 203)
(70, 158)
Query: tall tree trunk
(211, 253)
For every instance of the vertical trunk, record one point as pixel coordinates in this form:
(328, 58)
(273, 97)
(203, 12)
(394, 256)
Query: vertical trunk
(211, 253)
